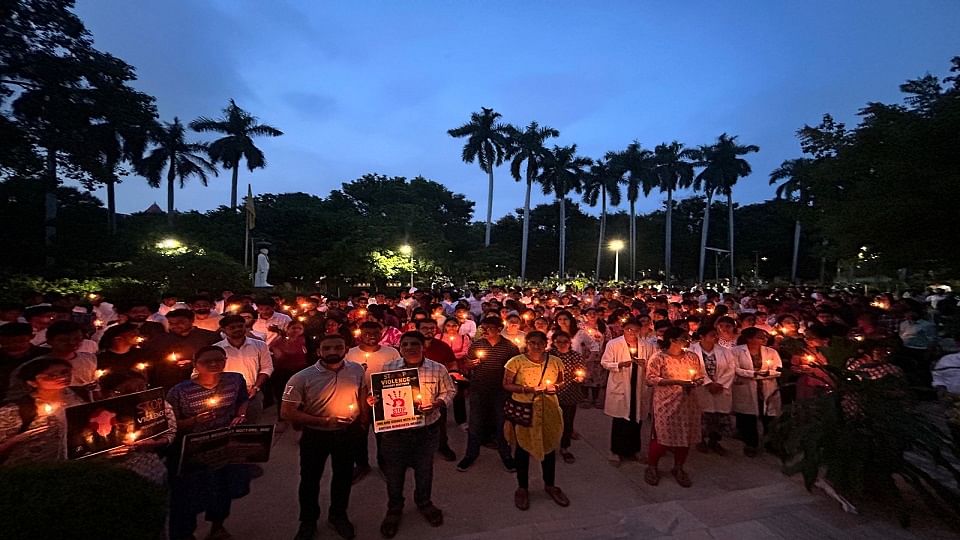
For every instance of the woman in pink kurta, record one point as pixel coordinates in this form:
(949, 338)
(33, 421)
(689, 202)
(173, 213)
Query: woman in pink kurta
(673, 372)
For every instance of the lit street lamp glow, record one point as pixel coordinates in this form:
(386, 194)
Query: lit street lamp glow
(408, 251)
(616, 246)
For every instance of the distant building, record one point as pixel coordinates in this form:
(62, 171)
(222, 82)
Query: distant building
(153, 209)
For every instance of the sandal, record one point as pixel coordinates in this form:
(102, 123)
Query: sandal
(557, 495)
(390, 525)
(567, 456)
(652, 476)
(521, 498)
(682, 478)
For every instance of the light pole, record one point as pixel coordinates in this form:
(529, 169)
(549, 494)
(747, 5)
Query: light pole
(616, 246)
(756, 265)
(408, 251)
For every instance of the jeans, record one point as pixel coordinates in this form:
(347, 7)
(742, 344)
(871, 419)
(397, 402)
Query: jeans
(460, 403)
(210, 491)
(486, 412)
(315, 447)
(522, 461)
(409, 448)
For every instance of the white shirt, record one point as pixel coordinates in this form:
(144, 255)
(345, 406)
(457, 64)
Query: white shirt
(279, 320)
(373, 362)
(946, 373)
(250, 360)
(105, 312)
(468, 328)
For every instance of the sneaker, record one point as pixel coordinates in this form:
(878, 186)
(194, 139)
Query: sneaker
(509, 465)
(342, 525)
(464, 464)
(307, 531)
(448, 453)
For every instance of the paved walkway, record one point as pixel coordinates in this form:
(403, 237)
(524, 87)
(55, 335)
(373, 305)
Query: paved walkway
(733, 497)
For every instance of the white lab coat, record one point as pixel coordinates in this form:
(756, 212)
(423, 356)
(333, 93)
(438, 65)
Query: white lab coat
(617, 403)
(745, 384)
(721, 402)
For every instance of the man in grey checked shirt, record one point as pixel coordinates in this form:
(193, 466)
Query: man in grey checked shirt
(415, 447)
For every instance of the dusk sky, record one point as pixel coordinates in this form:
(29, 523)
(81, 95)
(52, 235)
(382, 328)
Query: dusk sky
(361, 87)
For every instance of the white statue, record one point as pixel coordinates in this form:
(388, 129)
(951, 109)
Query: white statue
(263, 268)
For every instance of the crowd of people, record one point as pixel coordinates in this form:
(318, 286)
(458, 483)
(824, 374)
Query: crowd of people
(509, 366)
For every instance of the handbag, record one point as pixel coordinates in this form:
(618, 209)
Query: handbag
(520, 413)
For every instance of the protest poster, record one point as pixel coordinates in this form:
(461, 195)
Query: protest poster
(226, 446)
(397, 392)
(100, 426)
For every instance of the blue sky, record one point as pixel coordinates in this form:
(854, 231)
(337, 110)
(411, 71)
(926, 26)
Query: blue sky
(362, 87)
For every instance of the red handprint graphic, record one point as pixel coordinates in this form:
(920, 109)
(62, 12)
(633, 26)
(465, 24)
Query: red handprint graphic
(397, 403)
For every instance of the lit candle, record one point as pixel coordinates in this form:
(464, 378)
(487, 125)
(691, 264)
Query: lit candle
(101, 373)
(581, 374)
(547, 381)
(480, 354)
(769, 365)
(140, 339)
(92, 296)
(233, 308)
(172, 357)
(633, 350)
(132, 437)
(356, 333)
(623, 320)
(418, 398)
(351, 407)
(213, 401)
(516, 340)
(363, 313)
(452, 338)
(858, 338)
(98, 323)
(693, 373)
(141, 366)
(808, 359)
(301, 318)
(48, 409)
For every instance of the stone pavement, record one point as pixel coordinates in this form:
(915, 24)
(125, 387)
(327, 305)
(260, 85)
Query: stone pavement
(732, 497)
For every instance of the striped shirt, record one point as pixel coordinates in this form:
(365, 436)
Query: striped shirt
(189, 399)
(488, 374)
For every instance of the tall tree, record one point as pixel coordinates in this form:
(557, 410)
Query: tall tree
(705, 182)
(794, 178)
(635, 165)
(674, 170)
(529, 154)
(58, 86)
(727, 168)
(239, 128)
(180, 159)
(488, 144)
(600, 184)
(563, 172)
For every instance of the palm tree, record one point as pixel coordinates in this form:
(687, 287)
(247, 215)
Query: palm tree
(730, 167)
(601, 183)
(527, 147)
(116, 143)
(488, 143)
(239, 128)
(181, 159)
(674, 171)
(635, 167)
(563, 172)
(795, 177)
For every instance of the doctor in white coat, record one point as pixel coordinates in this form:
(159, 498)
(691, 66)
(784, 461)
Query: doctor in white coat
(716, 394)
(628, 399)
(755, 389)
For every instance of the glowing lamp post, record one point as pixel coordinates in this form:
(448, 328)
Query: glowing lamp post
(408, 251)
(616, 246)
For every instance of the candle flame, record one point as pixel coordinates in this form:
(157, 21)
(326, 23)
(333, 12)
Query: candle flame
(140, 339)
(132, 437)
(356, 332)
(172, 357)
(213, 401)
(101, 373)
(141, 366)
(47, 408)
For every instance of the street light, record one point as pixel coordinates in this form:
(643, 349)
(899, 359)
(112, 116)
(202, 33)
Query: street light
(616, 246)
(408, 251)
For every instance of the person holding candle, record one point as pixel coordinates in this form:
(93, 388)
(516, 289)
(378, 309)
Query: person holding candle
(327, 400)
(118, 348)
(214, 399)
(716, 393)
(372, 356)
(414, 447)
(289, 353)
(486, 359)
(248, 357)
(673, 372)
(175, 350)
(33, 426)
(574, 373)
(627, 398)
(64, 339)
(811, 381)
(755, 391)
(460, 343)
(512, 330)
(15, 350)
(535, 377)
